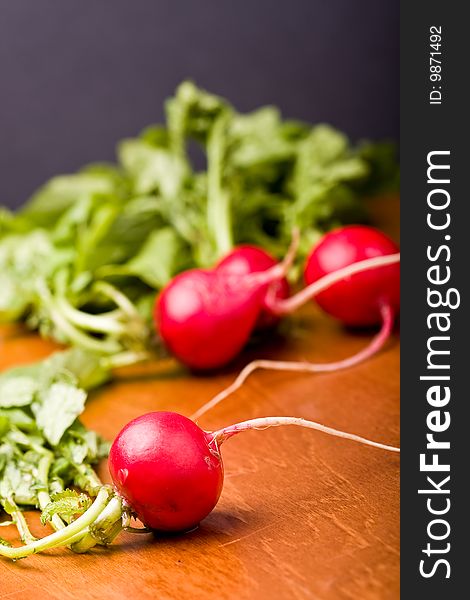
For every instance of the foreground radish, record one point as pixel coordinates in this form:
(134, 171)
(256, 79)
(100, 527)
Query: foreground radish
(171, 472)
(247, 259)
(164, 467)
(168, 472)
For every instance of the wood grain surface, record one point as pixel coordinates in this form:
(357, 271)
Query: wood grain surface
(302, 514)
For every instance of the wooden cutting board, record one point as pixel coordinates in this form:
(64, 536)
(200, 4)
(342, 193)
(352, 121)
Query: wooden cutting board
(302, 515)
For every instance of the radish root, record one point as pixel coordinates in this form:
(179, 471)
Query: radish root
(224, 434)
(303, 366)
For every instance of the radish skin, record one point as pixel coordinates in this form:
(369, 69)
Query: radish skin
(163, 467)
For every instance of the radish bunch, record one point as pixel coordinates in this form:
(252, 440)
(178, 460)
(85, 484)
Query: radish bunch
(166, 470)
(205, 317)
(354, 274)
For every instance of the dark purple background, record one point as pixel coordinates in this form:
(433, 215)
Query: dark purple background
(76, 76)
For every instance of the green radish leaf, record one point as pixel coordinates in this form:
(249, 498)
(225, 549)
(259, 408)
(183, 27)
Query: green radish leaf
(57, 408)
(66, 504)
(79, 445)
(17, 391)
(60, 193)
(86, 368)
(162, 256)
(151, 168)
(16, 481)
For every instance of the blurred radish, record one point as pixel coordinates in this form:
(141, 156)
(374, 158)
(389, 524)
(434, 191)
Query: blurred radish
(354, 273)
(205, 317)
(358, 299)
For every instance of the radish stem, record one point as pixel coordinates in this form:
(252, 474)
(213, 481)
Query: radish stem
(104, 524)
(372, 348)
(124, 359)
(105, 323)
(62, 537)
(120, 299)
(75, 335)
(87, 479)
(22, 526)
(43, 495)
(224, 434)
(218, 199)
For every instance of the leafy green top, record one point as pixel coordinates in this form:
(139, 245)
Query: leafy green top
(82, 260)
(43, 445)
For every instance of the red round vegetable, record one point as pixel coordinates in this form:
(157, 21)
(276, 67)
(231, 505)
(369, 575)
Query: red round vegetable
(163, 466)
(357, 299)
(167, 472)
(206, 317)
(170, 472)
(247, 259)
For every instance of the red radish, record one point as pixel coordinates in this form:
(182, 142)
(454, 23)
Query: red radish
(205, 317)
(170, 471)
(167, 471)
(247, 259)
(163, 466)
(356, 300)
